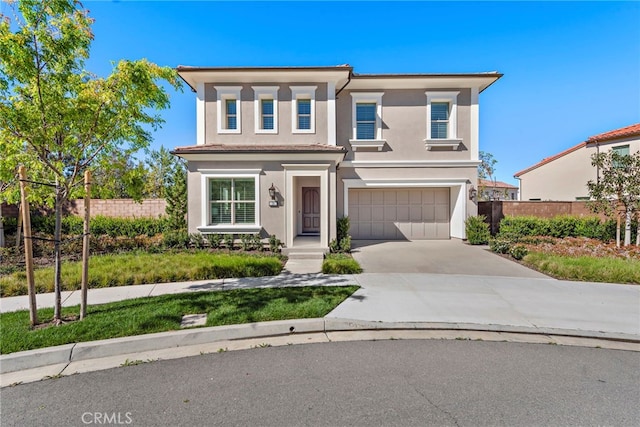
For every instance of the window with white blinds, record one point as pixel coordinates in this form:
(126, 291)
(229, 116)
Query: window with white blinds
(439, 120)
(232, 201)
(304, 114)
(366, 120)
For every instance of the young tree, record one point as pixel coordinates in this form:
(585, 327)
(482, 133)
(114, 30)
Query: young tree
(160, 165)
(486, 169)
(60, 119)
(617, 191)
(176, 196)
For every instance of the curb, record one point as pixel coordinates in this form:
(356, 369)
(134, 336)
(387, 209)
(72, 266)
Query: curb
(85, 351)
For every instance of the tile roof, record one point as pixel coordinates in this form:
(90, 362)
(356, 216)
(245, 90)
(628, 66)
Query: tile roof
(633, 130)
(498, 184)
(254, 148)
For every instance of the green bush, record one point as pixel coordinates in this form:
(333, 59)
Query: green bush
(563, 226)
(215, 240)
(342, 242)
(518, 252)
(176, 239)
(197, 240)
(228, 241)
(524, 226)
(477, 230)
(591, 227)
(500, 245)
(274, 244)
(340, 264)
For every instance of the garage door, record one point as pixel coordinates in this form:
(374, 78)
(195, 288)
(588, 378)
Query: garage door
(393, 214)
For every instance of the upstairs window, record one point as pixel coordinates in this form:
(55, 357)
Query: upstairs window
(266, 114)
(620, 151)
(442, 115)
(231, 114)
(366, 120)
(304, 114)
(439, 120)
(366, 117)
(229, 111)
(266, 109)
(303, 109)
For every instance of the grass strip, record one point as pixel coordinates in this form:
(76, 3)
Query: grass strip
(585, 268)
(340, 264)
(164, 313)
(137, 268)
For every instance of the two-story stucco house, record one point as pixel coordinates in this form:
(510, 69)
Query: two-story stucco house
(564, 176)
(288, 150)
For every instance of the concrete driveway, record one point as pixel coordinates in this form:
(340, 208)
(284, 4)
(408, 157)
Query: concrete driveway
(436, 257)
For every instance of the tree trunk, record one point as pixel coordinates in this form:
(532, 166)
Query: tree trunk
(618, 231)
(57, 237)
(85, 245)
(627, 228)
(2, 242)
(638, 232)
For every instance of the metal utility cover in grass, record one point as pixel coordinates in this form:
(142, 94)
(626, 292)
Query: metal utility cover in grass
(192, 320)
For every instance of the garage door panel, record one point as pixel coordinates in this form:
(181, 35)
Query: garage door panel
(402, 213)
(415, 213)
(390, 213)
(406, 213)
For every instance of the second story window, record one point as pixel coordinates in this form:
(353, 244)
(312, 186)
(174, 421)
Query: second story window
(439, 120)
(266, 114)
(303, 109)
(442, 114)
(366, 120)
(229, 111)
(366, 113)
(266, 109)
(304, 114)
(231, 114)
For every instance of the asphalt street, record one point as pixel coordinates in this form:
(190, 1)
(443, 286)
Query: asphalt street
(368, 383)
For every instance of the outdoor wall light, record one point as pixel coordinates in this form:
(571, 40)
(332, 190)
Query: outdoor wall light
(473, 193)
(272, 192)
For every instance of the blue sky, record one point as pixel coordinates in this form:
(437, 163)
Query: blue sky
(571, 70)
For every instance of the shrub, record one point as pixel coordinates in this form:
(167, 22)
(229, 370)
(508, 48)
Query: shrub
(524, 226)
(590, 227)
(228, 241)
(274, 244)
(246, 242)
(215, 240)
(563, 226)
(500, 245)
(340, 264)
(477, 230)
(197, 240)
(342, 242)
(518, 251)
(176, 239)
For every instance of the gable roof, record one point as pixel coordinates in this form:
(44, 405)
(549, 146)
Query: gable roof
(632, 130)
(498, 184)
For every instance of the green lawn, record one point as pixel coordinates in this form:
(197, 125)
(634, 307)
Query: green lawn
(137, 268)
(164, 313)
(585, 268)
(340, 264)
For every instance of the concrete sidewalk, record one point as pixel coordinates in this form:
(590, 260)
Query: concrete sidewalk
(439, 298)
(387, 306)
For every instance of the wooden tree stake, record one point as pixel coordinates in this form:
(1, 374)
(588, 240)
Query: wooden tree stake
(28, 246)
(85, 245)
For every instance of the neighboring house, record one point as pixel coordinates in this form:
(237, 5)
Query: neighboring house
(286, 151)
(564, 177)
(496, 190)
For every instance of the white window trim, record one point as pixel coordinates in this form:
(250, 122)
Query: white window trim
(206, 177)
(452, 140)
(304, 92)
(359, 97)
(224, 93)
(260, 93)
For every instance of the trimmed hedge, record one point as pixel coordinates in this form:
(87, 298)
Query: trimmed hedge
(560, 226)
(477, 230)
(100, 225)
